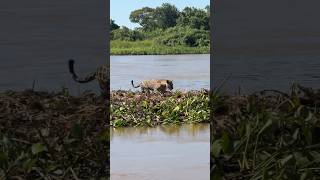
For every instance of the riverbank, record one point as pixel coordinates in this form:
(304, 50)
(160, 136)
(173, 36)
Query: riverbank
(266, 135)
(149, 47)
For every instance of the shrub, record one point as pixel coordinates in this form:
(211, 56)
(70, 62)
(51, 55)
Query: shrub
(126, 34)
(184, 36)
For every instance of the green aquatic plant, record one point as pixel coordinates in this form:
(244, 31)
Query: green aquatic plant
(136, 108)
(266, 135)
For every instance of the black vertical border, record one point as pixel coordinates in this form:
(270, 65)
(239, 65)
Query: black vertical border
(212, 40)
(107, 50)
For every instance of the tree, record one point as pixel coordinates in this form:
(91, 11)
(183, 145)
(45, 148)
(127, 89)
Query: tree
(166, 16)
(144, 17)
(194, 18)
(184, 36)
(207, 8)
(150, 19)
(113, 25)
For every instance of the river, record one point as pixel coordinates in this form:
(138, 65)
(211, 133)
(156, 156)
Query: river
(37, 39)
(187, 71)
(172, 152)
(257, 72)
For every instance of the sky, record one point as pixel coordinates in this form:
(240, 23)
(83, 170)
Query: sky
(120, 9)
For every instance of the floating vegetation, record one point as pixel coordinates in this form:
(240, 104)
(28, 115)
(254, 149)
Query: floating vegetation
(266, 135)
(53, 136)
(141, 109)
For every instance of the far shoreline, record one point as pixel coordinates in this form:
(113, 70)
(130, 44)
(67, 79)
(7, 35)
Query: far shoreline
(159, 54)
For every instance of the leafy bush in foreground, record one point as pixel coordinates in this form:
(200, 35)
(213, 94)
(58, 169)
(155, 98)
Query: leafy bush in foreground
(266, 136)
(53, 136)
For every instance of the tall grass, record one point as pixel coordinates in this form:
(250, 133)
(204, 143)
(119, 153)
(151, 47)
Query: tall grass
(150, 47)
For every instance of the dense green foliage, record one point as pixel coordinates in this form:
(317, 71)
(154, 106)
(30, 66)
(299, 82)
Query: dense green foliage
(268, 135)
(161, 17)
(141, 109)
(149, 47)
(194, 18)
(113, 25)
(184, 36)
(163, 28)
(144, 17)
(126, 34)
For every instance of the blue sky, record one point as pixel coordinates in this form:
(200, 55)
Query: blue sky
(120, 9)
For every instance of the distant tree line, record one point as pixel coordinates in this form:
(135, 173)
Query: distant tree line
(167, 26)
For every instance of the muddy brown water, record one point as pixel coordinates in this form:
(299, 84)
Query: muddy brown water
(163, 152)
(266, 44)
(187, 71)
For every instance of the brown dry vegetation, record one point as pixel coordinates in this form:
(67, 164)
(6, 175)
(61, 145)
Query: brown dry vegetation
(53, 136)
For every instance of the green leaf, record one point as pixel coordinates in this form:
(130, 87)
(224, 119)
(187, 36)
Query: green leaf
(145, 104)
(304, 176)
(216, 148)
(286, 159)
(307, 134)
(301, 159)
(51, 167)
(216, 174)
(3, 160)
(120, 123)
(225, 142)
(105, 135)
(38, 148)
(77, 131)
(295, 134)
(29, 164)
(176, 108)
(268, 123)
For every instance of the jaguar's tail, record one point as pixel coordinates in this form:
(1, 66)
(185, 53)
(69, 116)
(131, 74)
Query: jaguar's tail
(133, 84)
(86, 79)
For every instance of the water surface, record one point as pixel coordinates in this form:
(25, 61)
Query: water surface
(266, 44)
(186, 71)
(257, 72)
(171, 153)
(37, 38)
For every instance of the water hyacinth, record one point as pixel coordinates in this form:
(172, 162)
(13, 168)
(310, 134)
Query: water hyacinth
(136, 108)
